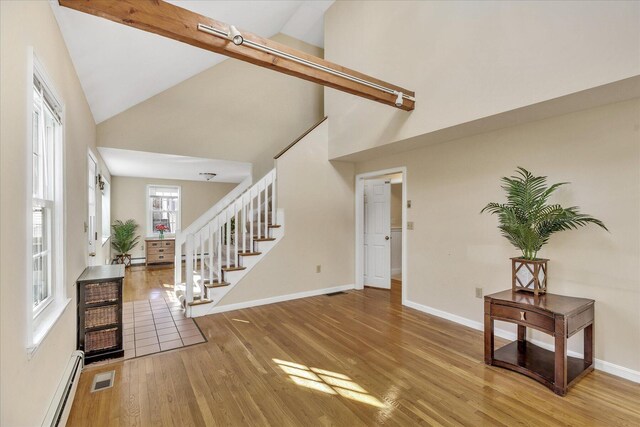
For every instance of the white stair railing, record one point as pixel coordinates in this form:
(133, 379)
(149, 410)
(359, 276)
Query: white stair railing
(218, 245)
(203, 220)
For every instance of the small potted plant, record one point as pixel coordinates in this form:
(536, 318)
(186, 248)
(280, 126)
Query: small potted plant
(161, 228)
(124, 239)
(528, 221)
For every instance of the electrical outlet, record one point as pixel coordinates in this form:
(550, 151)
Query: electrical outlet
(318, 268)
(409, 204)
(410, 225)
(478, 292)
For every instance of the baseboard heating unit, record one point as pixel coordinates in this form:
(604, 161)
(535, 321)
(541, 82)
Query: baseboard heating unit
(63, 399)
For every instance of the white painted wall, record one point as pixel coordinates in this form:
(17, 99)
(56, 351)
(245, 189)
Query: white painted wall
(28, 384)
(453, 248)
(129, 201)
(232, 111)
(318, 199)
(468, 60)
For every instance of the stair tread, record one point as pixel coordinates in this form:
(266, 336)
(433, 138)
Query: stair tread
(200, 302)
(274, 226)
(233, 268)
(264, 239)
(249, 253)
(216, 285)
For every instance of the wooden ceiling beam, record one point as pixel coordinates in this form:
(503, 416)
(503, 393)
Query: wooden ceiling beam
(174, 22)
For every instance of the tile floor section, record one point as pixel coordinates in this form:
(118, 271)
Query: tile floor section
(152, 326)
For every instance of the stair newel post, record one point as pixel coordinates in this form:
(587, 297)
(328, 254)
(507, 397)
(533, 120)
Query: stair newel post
(202, 255)
(266, 207)
(212, 229)
(244, 224)
(236, 233)
(177, 271)
(273, 198)
(251, 218)
(219, 252)
(188, 287)
(228, 240)
(258, 207)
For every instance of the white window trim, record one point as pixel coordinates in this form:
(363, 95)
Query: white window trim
(40, 322)
(152, 233)
(105, 238)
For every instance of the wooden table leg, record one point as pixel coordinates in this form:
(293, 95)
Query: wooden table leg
(589, 345)
(560, 380)
(488, 334)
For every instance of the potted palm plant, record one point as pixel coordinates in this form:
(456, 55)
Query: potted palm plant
(528, 221)
(124, 239)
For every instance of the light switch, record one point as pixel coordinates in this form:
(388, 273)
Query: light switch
(408, 204)
(410, 225)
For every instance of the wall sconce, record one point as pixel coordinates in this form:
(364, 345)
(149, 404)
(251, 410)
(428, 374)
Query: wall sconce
(100, 182)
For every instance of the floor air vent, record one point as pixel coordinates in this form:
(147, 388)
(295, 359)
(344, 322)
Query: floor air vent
(334, 293)
(103, 381)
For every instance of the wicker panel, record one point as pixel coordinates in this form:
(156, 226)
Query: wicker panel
(100, 292)
(100, 316)
(100, 340)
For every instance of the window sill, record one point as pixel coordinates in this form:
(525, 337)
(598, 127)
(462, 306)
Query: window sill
(46, 324)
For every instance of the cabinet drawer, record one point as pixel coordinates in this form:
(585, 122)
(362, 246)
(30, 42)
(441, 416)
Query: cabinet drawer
(161, 251)
(524, 317)
(161, 243)
(154, 258)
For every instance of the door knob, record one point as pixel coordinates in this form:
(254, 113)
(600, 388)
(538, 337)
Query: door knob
(386, 237)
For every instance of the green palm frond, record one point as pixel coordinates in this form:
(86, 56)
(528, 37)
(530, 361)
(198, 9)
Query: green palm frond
(124, 237)
(526, 220)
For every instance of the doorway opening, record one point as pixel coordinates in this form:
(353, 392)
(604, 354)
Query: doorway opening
(381, 238)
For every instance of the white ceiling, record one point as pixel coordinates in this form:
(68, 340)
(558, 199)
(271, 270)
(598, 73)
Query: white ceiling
(119, 66)
(142, 164)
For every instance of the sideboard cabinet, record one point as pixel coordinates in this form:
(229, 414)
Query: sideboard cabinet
(159, 251)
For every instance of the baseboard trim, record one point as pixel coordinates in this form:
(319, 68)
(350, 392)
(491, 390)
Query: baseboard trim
(601, 365)
(280, 298)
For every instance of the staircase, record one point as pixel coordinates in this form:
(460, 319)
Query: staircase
(221, 247)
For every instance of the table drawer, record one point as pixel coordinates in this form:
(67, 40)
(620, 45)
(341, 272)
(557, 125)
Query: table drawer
(160, 244)
(157, 258)
(524, 317)
(161, 251)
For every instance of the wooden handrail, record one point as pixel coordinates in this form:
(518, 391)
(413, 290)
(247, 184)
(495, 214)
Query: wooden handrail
(307, 132)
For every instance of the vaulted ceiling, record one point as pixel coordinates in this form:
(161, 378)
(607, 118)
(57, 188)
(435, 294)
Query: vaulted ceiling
(120, 67)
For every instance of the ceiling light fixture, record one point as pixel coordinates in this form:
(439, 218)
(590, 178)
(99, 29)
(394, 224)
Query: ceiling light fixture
(235, 36)
(208, 175)
(399, 99)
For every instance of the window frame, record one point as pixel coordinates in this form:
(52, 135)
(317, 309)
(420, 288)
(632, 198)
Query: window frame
(42, 319)
(150, 231)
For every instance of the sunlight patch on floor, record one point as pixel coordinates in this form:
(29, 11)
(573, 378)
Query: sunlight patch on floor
(327, 382)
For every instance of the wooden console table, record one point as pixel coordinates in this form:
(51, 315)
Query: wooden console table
(557, 315)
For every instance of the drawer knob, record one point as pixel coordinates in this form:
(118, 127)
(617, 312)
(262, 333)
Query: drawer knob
(522, 315)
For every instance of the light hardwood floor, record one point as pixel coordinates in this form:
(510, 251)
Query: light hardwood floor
(354, 359)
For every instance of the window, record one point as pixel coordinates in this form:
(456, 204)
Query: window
(46, 293)
(46, 127)
(106, 210)
(164, 208)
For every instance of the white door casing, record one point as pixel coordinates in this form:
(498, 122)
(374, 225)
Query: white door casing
(91, 219)
(377, 233)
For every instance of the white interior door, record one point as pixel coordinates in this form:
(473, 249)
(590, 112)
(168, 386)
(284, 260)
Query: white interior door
(377, 232)
(92, 233)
